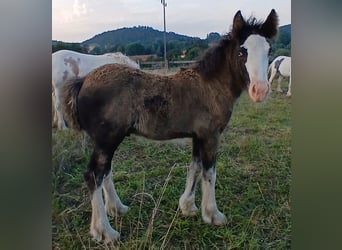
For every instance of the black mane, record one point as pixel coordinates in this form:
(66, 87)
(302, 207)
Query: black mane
(214, 59)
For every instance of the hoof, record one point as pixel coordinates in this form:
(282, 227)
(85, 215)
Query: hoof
(107, 235)
(217, 218)
(188, 206)
(192, 211)
(113, 210)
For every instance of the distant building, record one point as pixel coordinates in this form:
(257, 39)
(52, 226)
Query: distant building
(142, 58)
(183, 55)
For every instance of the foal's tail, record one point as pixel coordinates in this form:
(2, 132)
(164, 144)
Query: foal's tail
(69, 94)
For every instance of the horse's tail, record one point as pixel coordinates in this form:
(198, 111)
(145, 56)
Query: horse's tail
(269, 70)
(69, 94)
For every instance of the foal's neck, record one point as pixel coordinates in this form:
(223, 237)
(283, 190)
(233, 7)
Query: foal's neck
(230, 80)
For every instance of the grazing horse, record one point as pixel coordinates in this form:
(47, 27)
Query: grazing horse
(67, 64)
(115, 101)
(282, 66)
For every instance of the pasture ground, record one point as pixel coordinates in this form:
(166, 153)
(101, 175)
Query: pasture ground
(252, 188)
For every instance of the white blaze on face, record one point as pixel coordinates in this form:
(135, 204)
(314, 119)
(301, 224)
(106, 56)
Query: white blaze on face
(257, 62)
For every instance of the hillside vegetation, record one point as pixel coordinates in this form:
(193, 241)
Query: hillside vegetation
(144, 40)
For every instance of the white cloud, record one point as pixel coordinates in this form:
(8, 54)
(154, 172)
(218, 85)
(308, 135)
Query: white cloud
(66, 12)
(79, 9)
(66, 17)
(78, 20)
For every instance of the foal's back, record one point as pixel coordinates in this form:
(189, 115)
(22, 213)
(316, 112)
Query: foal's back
(132, 101)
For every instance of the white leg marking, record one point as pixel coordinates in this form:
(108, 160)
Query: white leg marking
(289, 91)
(210, 213)
(271, 78)
(279, 81)
(100, 227)
(187, 200)
(54, 113)
(113, 203)
(58, 108)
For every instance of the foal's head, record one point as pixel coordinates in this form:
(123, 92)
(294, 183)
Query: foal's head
(252, 51)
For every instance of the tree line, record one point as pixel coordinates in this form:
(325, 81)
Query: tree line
(177, 49)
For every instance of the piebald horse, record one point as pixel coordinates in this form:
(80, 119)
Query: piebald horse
(115, 101)
(281, 65)
(67, 64)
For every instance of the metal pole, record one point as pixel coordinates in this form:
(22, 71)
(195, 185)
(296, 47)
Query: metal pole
(165, 59)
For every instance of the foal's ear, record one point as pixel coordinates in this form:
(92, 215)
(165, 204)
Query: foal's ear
(270, 27)
(238, 23)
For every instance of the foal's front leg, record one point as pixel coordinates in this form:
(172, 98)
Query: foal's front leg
(210, 213)
(187, 200)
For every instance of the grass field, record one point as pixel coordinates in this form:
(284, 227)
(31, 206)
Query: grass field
(252, 188)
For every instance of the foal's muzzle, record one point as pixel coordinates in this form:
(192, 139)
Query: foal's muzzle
(258, 91)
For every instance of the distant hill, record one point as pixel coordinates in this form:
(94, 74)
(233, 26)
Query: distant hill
(145, 35)
(141, 34)
(144, 40)
(285, 28)
(282, 45)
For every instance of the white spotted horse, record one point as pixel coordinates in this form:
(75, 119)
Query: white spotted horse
(281, 65)
(67, 64)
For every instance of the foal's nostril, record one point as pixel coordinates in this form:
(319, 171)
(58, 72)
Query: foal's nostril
(254, 90)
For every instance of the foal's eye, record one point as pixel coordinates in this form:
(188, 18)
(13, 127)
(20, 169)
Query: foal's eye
(242, 52)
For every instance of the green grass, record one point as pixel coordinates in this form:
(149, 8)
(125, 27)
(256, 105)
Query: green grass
(252, 188)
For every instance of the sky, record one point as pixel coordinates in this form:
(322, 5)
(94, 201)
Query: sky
(79, 20)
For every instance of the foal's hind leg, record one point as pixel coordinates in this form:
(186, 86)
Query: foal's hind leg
(99, 167)
(210, 213)
(113, 203)
(187, 200)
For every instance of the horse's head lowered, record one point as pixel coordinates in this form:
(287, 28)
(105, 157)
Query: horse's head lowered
(252, 51)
